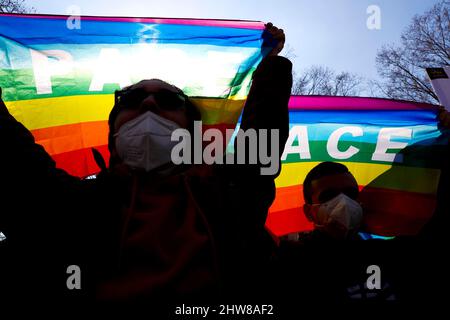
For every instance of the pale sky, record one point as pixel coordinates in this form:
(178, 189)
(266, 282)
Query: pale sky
(332, 33)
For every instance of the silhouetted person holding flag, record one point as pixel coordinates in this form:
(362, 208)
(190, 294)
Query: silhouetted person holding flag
(144, 230)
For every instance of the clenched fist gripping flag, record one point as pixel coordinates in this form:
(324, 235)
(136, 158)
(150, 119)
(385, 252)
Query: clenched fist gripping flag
(58, 79)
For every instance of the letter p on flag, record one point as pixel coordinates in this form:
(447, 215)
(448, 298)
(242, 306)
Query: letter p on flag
(48, 63)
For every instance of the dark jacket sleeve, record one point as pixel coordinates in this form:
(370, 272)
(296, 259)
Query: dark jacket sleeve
(266, 108)
(25, 161)
(46, 214)
(250, 193)
(40, 206)
(267, 103)
(21, 156)
(35, 193)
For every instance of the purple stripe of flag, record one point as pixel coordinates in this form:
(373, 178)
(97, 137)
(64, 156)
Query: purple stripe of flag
(353, 103)
(243, 24)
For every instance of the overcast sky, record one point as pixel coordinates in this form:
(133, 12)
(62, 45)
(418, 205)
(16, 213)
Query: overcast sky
(333, 33)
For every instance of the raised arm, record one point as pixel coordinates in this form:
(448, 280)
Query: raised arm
(27, 170)
(21, 154)
(252, 191)
(267, 103)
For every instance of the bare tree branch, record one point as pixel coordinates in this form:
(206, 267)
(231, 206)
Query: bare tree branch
(319, 80)
(14, 6)
(425, 43)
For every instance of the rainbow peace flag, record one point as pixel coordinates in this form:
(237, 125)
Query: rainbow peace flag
(59, 75)
(395, 150)
(58, 80)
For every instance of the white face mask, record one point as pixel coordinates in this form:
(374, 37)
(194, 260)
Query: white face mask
(339, 216)
(144, 142)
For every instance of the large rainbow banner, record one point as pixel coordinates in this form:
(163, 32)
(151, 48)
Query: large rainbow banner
(58, 76)
(395, 150)
(59, 73)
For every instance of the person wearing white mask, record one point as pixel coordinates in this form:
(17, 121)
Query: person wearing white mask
(145, 230)
(206, 222)
(331, 201)
(322, 263)
(331, 195)
(329, 263)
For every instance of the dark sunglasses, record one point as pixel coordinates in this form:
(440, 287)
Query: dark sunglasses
(329, 194)
(165, 99)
